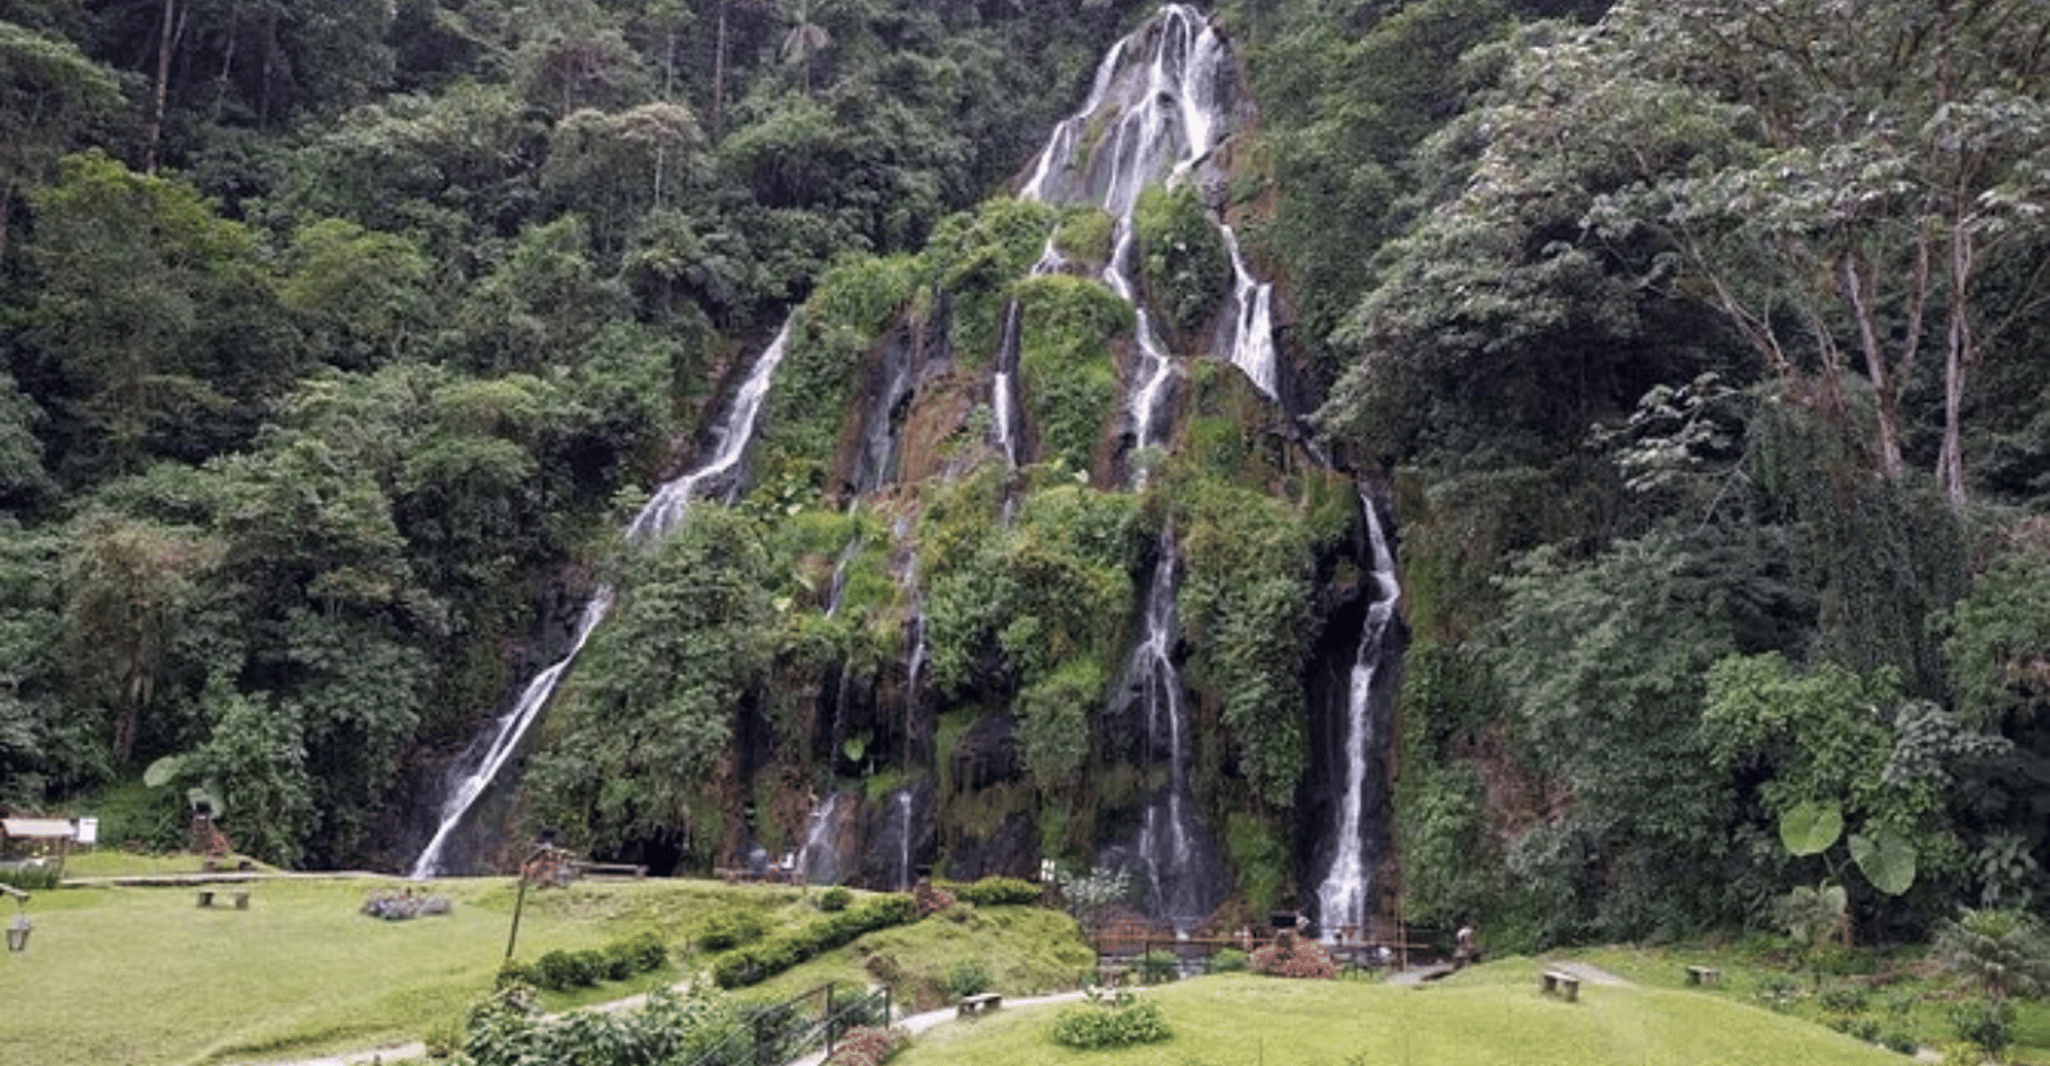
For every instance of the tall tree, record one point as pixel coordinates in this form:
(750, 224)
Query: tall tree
(49, 92)
(1885, 154)
(131, 584)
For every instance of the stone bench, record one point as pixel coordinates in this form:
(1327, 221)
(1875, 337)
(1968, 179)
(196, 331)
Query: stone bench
(241, 897)
(978, 1004)
(1560, 983)
(1704, 975)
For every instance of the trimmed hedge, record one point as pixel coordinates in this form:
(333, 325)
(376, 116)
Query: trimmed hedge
(996, 892)
(753, 965)
(560, 971)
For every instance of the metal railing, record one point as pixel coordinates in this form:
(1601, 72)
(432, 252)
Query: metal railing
(780, 1032)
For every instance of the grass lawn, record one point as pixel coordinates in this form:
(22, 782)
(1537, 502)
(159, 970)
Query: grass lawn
(1897, 993)
(1487, 1016)
(142, 976)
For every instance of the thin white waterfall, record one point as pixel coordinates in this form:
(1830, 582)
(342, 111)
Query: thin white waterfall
(672, 501)
(1344, 898)
(1004, 392)
(661, 513)
(1252, 337)
(818, 860)
(904, 839)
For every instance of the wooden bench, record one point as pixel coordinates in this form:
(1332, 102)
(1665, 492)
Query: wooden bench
(980, 1004)
(206, 898)
(1704, 975)
(1560, 983)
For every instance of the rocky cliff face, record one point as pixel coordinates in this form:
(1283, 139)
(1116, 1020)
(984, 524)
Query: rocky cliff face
(1068, 582)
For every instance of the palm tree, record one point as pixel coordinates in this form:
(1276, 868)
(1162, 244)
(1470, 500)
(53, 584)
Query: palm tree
(806, 38)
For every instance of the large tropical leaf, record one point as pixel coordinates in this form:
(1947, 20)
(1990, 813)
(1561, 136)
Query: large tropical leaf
(1810, 827)
(1886, 858)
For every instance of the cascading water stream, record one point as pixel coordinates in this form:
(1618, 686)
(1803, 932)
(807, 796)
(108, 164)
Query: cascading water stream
(821, 865)
(1158, 106)
(1344, 898)
(661, 513)
(904, 839)
(1169, 109)
(1004, 392)
(1252, 339)
(1173, 852)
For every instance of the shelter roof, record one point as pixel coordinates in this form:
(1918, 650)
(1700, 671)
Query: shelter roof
(39, 828)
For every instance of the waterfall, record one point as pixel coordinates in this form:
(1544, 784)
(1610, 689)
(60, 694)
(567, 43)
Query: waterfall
(663, 511)
(1252, 338)
(904, 839)
(1174, 855)
(672, 501)
(1344, 899)
(1167, 111)
(818, 859)
(1003, 394)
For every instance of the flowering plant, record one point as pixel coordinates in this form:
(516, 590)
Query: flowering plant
(1293, 956)
(868, 1046)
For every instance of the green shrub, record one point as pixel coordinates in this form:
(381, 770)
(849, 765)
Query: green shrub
(968, 977)
(1229, 960)
(1159, 967)
(1987, 1024)
(1845, 999)
(513, 972)
(730, 929)
(559, 971)
(37, 878)
(1188, 269)
(996, 892)
(836, 898)
(644, 952)
(1097, 1027)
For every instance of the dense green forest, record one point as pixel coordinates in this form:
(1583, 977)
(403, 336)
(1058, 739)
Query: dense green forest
(1701, 344)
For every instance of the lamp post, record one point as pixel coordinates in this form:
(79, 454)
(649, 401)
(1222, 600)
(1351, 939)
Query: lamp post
(541, 847)
(18, 929)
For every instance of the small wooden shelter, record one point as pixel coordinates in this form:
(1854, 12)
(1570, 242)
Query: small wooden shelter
(36, 840)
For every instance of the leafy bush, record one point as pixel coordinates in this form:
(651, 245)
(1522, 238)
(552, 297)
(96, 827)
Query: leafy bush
(836, 899)
(513, 973)
(1229, 960)
(1847, 999)
(1293, 956)
(1987, 1024)
(641, 953)
(868, 1046)
(1159, 967)
(37, 878)
(996, 892)
(730, 929)
(561, 970)
(1098, 1027)
(968, 977)
(1188, 270)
